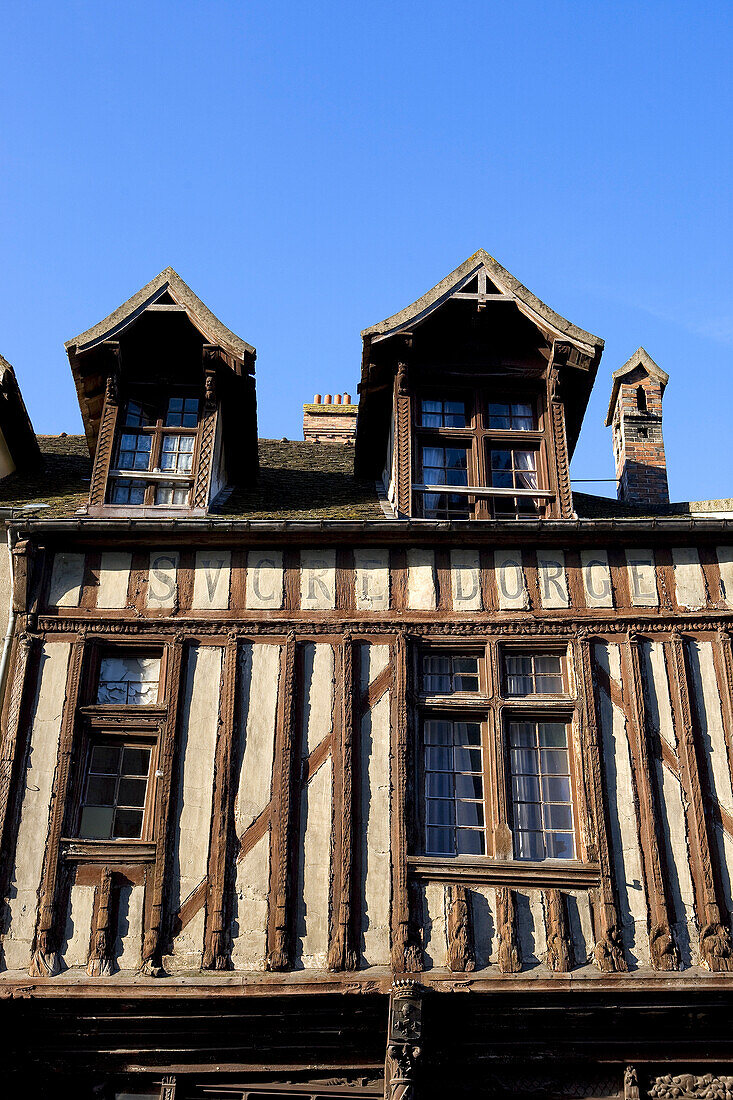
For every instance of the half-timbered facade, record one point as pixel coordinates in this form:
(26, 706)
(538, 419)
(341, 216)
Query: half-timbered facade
(365, 766)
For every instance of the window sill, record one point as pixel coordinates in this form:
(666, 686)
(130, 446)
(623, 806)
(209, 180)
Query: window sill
(495, 872)
(107, 851)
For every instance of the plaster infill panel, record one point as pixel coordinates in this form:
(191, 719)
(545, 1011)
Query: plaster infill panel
(114, 579)
(199, 722)
(36, 782)
(552, 579)
(510, 580)
(257, 705)
(264, 587)
(162, 590)
(596, 574)
(421, 580)
(211, 575)
(77, 934)
(371, 580)
(249, 917)
(642, 578)
(688, 578)
(465, 580)
(318, 580)
(375, 813)
(67, 575)
(724, 555)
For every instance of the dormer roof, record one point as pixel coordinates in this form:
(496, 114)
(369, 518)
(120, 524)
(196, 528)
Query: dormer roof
(171, 282)
(504, 286)
(15, 423)
(640, 358)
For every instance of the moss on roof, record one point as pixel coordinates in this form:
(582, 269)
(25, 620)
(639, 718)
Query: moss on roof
(61, 481)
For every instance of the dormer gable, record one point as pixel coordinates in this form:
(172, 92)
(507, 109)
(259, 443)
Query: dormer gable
(167, 397)
(471, 400)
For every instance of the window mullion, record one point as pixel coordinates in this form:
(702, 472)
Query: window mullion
(497, 787)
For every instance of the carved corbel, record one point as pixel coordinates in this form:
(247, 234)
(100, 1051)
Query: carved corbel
(104, 924)
(23, 557)
(403, 1040)
(631, 1083)
(510, 961)
(461, 955)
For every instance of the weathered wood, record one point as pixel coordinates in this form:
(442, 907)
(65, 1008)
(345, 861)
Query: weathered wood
(508, 955)
(461, 954)
(403, 444)
(556, 414)
(343, 952)
(662, 946)
(44, 956)
(716, 949)
(106, 438)
(280, 900)
(608, 953)
(11, 744)
(557, 929)
(406, 947)
(104, 927)
(157, 876)
(217, 945)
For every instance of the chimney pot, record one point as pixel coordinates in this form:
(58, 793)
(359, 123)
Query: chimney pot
(316, 399)
(337, 399)
(327, 399)
(347, 399)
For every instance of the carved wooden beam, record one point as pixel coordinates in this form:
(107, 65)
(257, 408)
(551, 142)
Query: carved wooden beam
(44, 957)
(279, 924)
(9, 748)
(662, 947)
(716, 950)
(509, 957)
(557, 929)
(343, 951)
(403, 443)
(207, 436)
(217, 946)
(104, 926)
(406, 947)
(153, 919)
(556, 413)
(106, 436)
(404, 1040)
(461, 955)
(608, 952)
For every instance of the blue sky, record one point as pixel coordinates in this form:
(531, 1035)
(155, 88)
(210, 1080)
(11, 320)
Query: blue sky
(310, 168)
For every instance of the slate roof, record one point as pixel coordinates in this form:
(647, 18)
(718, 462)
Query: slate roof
(296, 481)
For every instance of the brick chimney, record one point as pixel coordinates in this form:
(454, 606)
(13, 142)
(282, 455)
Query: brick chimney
(635, 413)
(330, 419)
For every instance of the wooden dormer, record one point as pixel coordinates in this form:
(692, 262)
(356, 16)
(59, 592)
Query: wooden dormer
(479, 386)
(167, 397)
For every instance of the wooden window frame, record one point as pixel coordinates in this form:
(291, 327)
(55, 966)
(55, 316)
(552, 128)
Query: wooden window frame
(478, 439)
(493, 709)
(155, 477)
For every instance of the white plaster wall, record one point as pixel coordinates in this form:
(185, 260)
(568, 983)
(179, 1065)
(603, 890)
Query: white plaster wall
(375, 812)
(596, 578)
(249, 926)
(128, 945)
(211, 580)
(318, 580)
(78, 930)
(420, 579)
(688, 578)
(26, 876)
(465, 576)
(114, 579)
(162, 590)
(264, 585)
(67, 575)
(552, 579)
(483, 911)
(435, 943)
(197, 746)
(258, 687)
(725, 563)
(642, 578)
(511, 583)
(371, 569)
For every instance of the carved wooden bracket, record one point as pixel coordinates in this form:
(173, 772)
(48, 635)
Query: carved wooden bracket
(403, 1040)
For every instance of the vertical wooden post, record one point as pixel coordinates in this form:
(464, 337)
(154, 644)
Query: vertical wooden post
(343, 951)
(663, 949)
(9, 747)
(716, 950)
(279, 923)
(403, 444)
(104, 925)
(557, 929)
(406, 947)
(723, 661)
(608, 952)
(200, 494)
(556, 413)
(510, 961)
(44, 957)
(461, 954)
(217, 946)
(153, 938)
(106, 437)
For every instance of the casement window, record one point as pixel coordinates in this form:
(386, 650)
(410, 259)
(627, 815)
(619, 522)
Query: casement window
(155, 452)
(474, 745)
(117, 753)
(479, 458)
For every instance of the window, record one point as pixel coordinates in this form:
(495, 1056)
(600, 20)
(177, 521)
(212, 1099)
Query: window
(124, 679)
(485, 449)
(472, 745)
(115, 790)
(160, 441)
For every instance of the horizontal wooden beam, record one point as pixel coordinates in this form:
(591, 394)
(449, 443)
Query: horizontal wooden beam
(503, 872)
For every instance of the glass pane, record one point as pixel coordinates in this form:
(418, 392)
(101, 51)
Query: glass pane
(438, 759)
(132, 792)
(439, 784)
(128, 824)
(96, 823)
(470, 842)
(530, 846)
(467, 760)
(522, 733)
(560, 845)
(528, 815)
(439, 842)
(524, 761)
(438, 733)
(501, 460)
(558, 816)
(468, 786)
(554, 761)
(440, 812)
(467, 733)
(552, 735)
(555, 789)
(101, 790)
(135, 761)
(124, 679)
(470, 813)
(105, 759)
(526, 788)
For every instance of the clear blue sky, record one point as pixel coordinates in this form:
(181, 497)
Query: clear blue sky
(310, 168)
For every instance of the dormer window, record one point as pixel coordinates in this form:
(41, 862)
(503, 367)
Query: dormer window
(157, 438)
(478, 458)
